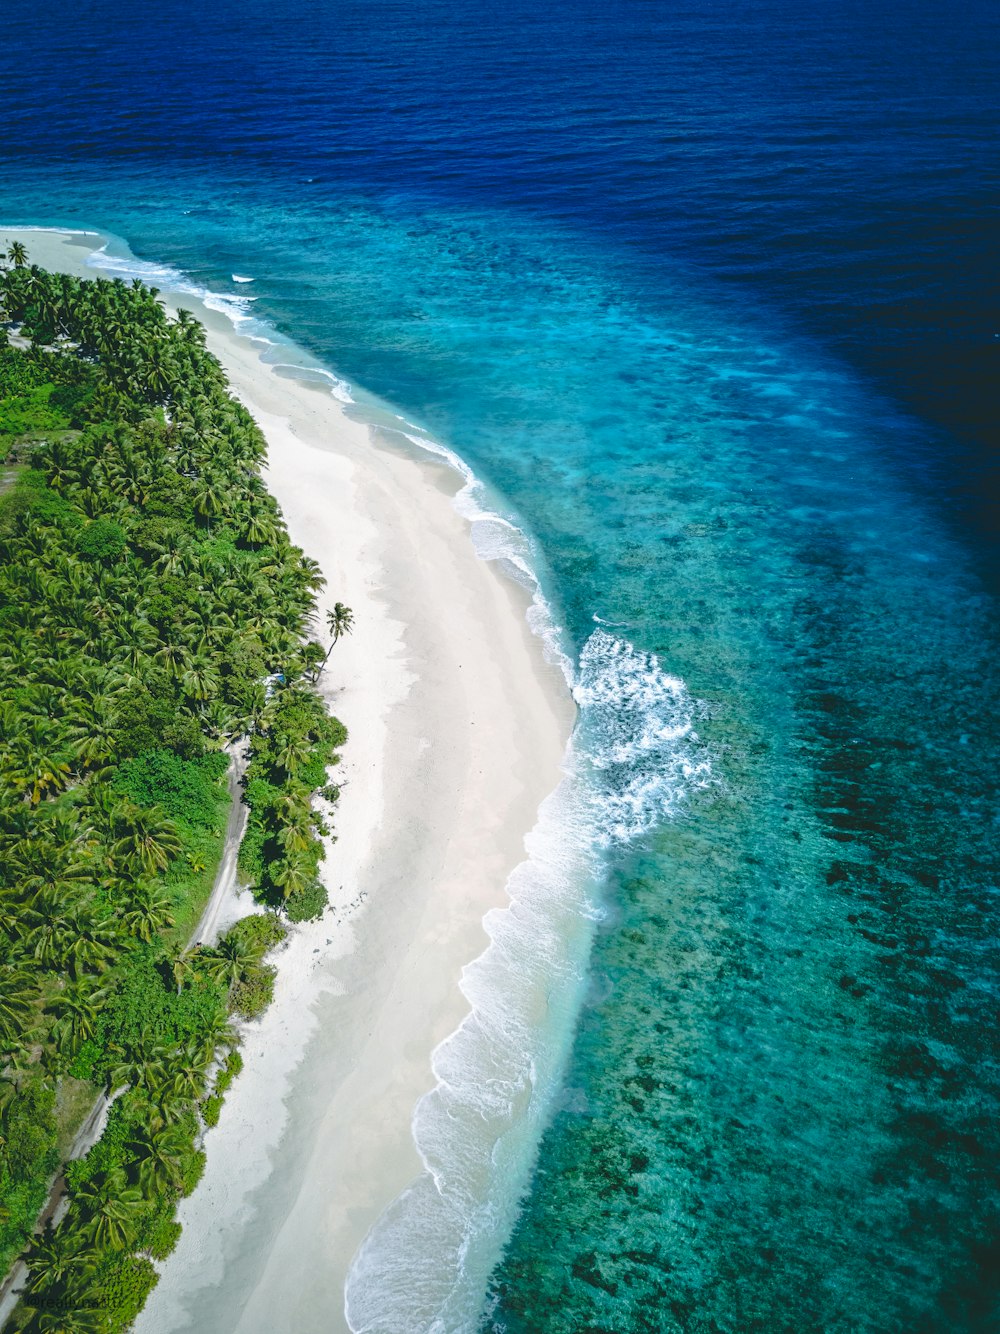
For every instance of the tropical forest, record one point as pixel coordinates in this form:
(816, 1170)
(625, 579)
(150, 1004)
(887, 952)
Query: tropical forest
(157, 657)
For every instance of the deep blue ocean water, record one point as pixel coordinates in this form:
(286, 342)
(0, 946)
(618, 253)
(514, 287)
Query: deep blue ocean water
(707, 293)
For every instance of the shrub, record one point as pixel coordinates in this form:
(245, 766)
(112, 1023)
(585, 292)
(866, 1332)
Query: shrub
(21, 1203)
(157, 1232)
(253, 993)
(250, 861)
(187, 790)
(74, 401)
(20, 372)
(164, 1235)
(232, 1067)
(184, 735)
(36, 410)
(102, 540)
(30, 1130)
(143, 713)
(193, 1171)
(309, 904)
(260, 931)
(123, 1284)
(146, 1010)
(211, 1108)
(85, 1061)
(33, 501)
(112, 1151)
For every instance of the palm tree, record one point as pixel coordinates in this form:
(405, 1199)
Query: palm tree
(199, 680)
(146, 914)
(112, 1206)
(184, 969)
(17, 997)
(45, 930)
(74, 1318)
(310, 659)
(92, 948)
(292, 875)
(230, 960)
(77, 1009)
(210, 497)
(162, 1158)
(292, 752)
(18, 254)
(186, 1069)
(147, 838)
(10, 912)
(51, 1261)
(167, 1106)
(191, 330)
(297, 833)
(49, 865)
(35, 767)
(339, 622)
(175, 658)
(56, 936)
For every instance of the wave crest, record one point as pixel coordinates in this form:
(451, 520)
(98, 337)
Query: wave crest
(640, 743)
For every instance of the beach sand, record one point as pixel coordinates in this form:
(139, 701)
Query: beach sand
(458, 727)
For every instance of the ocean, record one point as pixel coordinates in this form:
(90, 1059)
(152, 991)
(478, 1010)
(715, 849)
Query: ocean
(703, 297)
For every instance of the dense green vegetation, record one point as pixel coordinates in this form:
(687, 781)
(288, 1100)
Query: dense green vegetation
(152, 609)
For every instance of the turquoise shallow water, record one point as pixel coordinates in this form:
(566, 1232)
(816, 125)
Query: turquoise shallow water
(704, 294)
(779, 1111)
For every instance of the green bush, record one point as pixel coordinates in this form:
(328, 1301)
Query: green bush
(30, 1131)
(259, 931)
(21, 1201)
(75, 400)
(157, 1232)
(188, 790)
(85, 1061)
(102, 540)
(125, 1122)
(250, 861)
(142, 712)
(254, 992)
(20, 371)
(194, 1169)
(211, 1109)
(165, 1235)
(32, 501)
(123, 1284)
(309, 904)
(232, 1067)
(146, 1010)
(33, 411)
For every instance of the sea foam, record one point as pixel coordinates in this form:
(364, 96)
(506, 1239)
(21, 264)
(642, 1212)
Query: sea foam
(237, 309)
(642, 748)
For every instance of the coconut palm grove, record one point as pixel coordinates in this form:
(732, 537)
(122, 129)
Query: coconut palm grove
(153, 612)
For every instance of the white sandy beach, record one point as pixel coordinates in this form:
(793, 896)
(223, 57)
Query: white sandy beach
(457, 731)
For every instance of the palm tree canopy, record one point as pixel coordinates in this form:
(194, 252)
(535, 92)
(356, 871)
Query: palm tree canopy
(153, 604)
(340, 621)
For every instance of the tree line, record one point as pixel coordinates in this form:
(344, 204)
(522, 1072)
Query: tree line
(152, 609)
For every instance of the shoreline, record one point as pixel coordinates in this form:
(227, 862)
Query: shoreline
(458, 727)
